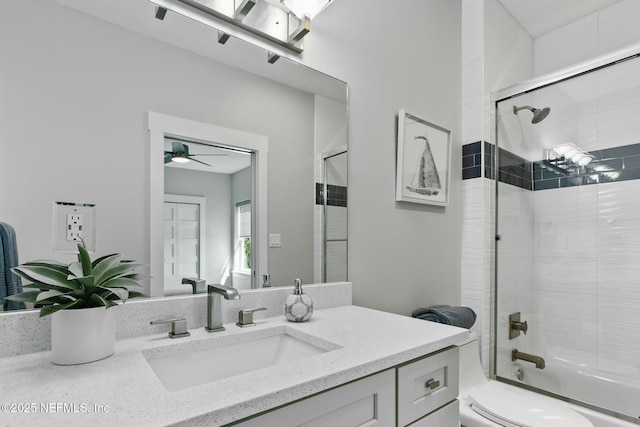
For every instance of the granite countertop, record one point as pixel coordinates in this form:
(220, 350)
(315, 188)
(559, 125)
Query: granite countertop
(124, 390)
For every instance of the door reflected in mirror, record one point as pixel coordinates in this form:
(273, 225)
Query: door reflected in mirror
(207, 216)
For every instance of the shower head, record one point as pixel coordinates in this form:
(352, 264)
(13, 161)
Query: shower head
(538, 115)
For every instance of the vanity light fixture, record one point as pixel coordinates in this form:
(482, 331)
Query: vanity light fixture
(243, 9)
(160, 12)
(223, 37)
(272, 57)
(281, 22)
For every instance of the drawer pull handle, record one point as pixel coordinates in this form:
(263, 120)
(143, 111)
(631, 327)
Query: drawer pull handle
(432, 384)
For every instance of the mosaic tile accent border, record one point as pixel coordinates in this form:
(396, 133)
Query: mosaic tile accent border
(609, 165)
(472, 160)
(336, 195)
(514, 170)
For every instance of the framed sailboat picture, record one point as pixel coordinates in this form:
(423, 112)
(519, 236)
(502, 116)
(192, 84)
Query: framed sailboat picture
(423, 161)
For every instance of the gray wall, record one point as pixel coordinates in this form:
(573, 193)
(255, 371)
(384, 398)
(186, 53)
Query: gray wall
(74, 92)
(395, 55)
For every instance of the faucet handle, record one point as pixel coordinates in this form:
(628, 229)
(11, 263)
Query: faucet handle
(245, 317)
(196, 284)
(178, 326)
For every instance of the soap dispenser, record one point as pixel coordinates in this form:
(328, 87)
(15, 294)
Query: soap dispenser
(299, 306)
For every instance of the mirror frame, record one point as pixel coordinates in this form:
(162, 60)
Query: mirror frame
(161, 125)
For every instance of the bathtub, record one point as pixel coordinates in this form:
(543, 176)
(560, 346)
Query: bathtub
(612, 391)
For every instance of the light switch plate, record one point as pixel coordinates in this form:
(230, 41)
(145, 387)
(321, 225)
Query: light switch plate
(275, 240)
(73, 223)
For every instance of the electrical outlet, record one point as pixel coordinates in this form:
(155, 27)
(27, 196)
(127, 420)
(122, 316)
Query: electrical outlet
(74, 228)
(73, 223)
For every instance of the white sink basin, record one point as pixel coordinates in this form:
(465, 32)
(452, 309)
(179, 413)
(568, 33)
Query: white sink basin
(192, 363)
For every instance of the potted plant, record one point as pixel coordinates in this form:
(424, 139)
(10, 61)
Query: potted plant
(78, 296)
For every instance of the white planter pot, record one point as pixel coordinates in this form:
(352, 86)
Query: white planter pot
(83, 335)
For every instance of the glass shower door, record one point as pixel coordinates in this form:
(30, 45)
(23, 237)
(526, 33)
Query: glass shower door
(568, 246)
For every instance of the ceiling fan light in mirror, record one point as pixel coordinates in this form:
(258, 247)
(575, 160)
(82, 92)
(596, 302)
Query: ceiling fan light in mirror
(179, 158)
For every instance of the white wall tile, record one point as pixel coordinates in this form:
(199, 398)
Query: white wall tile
(619, 278)
(619, 240)
(472, 109)
(566, 274)
(569, 239)
(568, 309)
(619, 201)
(618, 316)
(619, 25)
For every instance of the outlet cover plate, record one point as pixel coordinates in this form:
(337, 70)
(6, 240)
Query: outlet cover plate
(81, 217)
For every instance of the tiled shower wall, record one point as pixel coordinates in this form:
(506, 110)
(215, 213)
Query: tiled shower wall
(496, 53)
(586, 273)
(491, 38)
(330, 134)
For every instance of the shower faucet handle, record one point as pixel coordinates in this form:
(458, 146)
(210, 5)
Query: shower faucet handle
(520, 326)
(516, 326)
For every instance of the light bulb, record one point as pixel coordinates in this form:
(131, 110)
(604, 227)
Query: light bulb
(585, 161)
(180, 159)
(571, 152)
(562, 149)
(577, 157)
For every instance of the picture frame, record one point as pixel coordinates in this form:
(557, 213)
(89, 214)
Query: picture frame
(423, 161)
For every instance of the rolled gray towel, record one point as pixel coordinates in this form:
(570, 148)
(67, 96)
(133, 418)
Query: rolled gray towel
(463, 317)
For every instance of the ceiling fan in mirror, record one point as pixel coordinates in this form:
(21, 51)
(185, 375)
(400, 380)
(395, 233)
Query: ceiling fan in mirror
(180, 154)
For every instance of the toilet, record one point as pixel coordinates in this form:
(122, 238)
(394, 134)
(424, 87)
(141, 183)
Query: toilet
(488, 403)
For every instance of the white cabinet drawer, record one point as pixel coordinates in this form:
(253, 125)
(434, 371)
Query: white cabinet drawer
(447, 416)
(426, 385)
(366, 402)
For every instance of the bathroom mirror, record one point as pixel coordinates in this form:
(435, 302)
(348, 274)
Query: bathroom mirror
(78, 79)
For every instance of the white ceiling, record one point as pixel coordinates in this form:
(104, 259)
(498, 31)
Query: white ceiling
(539, 17)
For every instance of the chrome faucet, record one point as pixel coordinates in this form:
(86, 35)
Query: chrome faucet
(214, 305)
(194, 282)
(539, 361)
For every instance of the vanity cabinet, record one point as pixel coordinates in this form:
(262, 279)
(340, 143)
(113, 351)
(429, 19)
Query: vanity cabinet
(427, 384)
(369, 401)
(420, 393)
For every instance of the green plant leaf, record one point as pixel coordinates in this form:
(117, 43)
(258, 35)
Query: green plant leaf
(121, 293)
(84, 281)
(104, 267)
(42, 274)
(44, 287)
(118, 270)
(29, 296)
(75, 268)
(50, 294)
(99, 301)
(50, 309)
(98, 260)
(121, 282)
(50, 263)
(85, 260)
